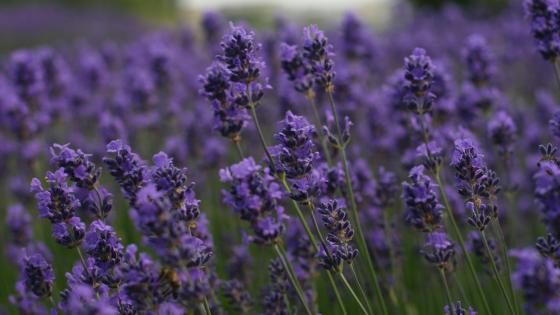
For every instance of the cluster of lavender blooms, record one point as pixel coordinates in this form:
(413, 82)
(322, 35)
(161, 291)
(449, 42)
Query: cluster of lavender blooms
(299, 210)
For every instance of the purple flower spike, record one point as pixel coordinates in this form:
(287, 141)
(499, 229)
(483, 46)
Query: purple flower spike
(423, 210)
(318, 57)
(102, 244)
(38, 275)
(543, 15)
(419, 76)
(457, 309)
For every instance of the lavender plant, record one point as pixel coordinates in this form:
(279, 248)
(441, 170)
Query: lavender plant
(314, 225)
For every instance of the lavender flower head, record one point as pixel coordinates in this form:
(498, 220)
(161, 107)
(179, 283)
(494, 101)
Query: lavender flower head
(240, 55)
(295, 154)
(76, 165)
(537, 278)
(419, 76)
(543, 15)
(18, 222)
(102, 243)
(230, 116)
(457, 309)
(503, 131)
(554, 125)
(439, 250)
(59, 205)
(423, 210)
(38, 275)
(255, 196)
(126, 167)
(83, 299)
(318, 57)
(293, 64)
(339, 237)
(479, 61)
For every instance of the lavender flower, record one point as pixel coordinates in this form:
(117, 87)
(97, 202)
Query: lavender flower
(478, 184)
(537, 278)
(253, 192)
(230, 117)
(439, 250)
(102, 243)
(339, 237)
(59, 205)
(238, 298)
(293, 64)
(457, 309)
(295, 153)
(419, 76)
(544, 26)
(239, 55)
(82, 299)
(479, 61)
(38, 275)
(503, 132)
(76, 165)
(423, 210)
(126, 167)
(317, 55)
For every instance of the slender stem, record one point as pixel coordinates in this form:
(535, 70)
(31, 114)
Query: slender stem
(291, 275)
(318, 126)
(360, 288)
(312, 239)
(497, 226)
(497, 274)
(300, 214)
(461, 242)
(86, 270)
(360, 236)
(51, 300)
(202, 309)
(238, 148)
(207, 307)
(557, 70)
(321, 238)
(261, 136)
(447, 291)
(461, 289)
(336, 293)
(349, 287)
(295, 204)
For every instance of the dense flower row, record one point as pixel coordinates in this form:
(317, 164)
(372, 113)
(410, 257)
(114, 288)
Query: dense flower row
(318, 201)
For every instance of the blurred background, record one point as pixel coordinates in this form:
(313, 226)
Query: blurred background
(37, 22)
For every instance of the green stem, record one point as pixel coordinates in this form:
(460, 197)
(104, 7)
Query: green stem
(207, 307)
(447, 291)
(261, 136)
(319, 128)
(291, 275)
(556, 63)
(86, 270)
(497, 226)
(336, 293)
(238, 149)
(296, 206)
(360, 236)
(312, 239)
(360, 288)
(497, 274)
(349, 287)
(461, 242)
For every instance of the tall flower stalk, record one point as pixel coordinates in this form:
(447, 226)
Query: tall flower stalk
(419, 99)
(317, 55)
